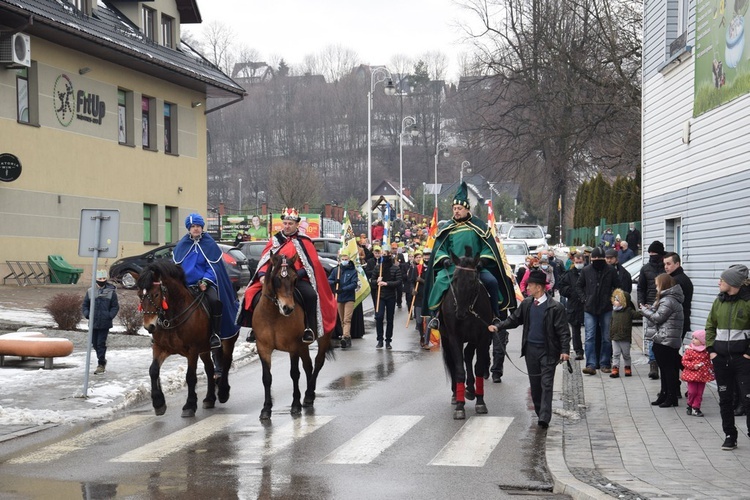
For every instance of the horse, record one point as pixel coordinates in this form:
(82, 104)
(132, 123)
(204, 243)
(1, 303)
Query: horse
(180, 323)
(278, 324)
(464, 306)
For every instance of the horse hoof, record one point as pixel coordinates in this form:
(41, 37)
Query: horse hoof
(296, 410)
(459, 415)
(207, 404)
(453, 400)
(223, 397)
(265, 415)
(161, 410)
(188, 413)
(481, 409)
(469, 395)
(308, 402)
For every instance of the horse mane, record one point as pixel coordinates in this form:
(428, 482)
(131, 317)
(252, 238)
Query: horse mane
(163, 269)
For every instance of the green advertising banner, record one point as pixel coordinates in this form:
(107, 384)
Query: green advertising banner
(722, 70)
(248, 227)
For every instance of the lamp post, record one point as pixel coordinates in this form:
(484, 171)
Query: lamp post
(240, 195)
(440, 146)
(411, 122)
(378, 75)
(464, 165)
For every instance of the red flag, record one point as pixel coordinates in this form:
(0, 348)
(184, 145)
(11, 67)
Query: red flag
(491, 219)
(432, 232)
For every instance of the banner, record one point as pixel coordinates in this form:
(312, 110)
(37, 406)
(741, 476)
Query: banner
(432, 231)
(491, 219)
(363, 287)
(254, 227)
(348, 241)
(309, 225)
(387, 226)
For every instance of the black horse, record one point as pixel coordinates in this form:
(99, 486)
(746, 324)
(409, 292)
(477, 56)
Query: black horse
(466, 313)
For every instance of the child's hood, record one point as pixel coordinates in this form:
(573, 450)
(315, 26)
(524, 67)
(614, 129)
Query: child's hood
(622, 297)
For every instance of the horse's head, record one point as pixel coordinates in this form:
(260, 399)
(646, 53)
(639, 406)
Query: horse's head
(279, 283)
(153, 291)
(465, 282)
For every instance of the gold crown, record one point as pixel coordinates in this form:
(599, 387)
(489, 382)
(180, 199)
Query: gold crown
(290, 214)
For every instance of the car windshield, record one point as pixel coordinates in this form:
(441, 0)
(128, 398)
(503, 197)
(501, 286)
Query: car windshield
(526, 233)
(515, 249)
(237, 254)
(253, 250)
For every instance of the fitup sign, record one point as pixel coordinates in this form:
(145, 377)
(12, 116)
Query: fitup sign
(88, 106)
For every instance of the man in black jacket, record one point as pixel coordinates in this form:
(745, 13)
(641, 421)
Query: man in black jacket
(673, 266)
(594, 288)
(624, 277)
(385, 279)
(545, 341)
(574, 305)
(634, 239)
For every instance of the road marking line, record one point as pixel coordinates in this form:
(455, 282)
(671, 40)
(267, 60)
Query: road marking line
(155, 451)
(270, 440)
(372, 441)
(472, 445)
(106, 431)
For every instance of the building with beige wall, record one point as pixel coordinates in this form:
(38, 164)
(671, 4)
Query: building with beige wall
(104, 110)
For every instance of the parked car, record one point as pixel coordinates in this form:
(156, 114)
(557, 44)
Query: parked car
(127, 269)
(633, 266)
(327, 247)
(533, 236)
(516, 251)
(252, 250)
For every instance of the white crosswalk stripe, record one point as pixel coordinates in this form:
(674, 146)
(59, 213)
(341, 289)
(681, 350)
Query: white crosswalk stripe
(155, 451)
(84, 440)
(372, 441)
(266, 441)
(472, 445)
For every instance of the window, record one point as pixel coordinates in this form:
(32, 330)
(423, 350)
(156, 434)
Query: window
(167, 36)
(147, 21)
(150, 226)
(125, 118)
(170, 214)
(170, 128)
(673, 235)
(148, 124)
(27, 95)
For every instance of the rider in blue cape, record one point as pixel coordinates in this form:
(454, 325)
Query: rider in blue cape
(201, 259)
(465, 230)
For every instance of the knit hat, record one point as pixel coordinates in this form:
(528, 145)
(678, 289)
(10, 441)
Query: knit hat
(610, 253)
(462, 196)
(656, 247)
(194, 219)
(538, 277)
(735, 275)
(376, 248)
(701, 336)
(597, 253)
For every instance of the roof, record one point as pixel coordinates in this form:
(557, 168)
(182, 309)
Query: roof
(386, 188)
(110, 35)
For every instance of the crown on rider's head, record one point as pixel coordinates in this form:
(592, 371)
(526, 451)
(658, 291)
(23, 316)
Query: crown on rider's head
(290, 213)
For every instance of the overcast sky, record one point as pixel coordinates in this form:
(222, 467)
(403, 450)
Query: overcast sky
(375, 29)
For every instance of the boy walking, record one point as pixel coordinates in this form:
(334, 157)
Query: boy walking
(107, 308)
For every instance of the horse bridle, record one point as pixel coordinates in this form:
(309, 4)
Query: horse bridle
(476, 294)
(159, 309)
(283, 273)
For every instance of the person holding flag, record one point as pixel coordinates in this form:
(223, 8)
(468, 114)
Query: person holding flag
(344, 280)
(465, 230)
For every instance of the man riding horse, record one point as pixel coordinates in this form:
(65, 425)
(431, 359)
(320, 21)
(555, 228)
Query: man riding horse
(201, 259)
(312, 280)
(465, 230)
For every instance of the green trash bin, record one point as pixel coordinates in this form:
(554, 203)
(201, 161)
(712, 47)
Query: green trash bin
(61, 272)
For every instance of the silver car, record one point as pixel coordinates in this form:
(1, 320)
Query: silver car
(516, 251)
(533, 236)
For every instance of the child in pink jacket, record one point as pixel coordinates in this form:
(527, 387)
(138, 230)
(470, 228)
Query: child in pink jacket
(697, 369)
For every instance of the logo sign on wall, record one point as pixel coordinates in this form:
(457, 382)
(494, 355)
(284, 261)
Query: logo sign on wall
(10, 167)
(88, 106)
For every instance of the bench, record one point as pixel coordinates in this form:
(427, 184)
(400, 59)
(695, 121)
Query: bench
(26, 272)
(34, 345)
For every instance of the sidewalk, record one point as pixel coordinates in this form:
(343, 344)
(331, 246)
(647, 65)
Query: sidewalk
(614, 444)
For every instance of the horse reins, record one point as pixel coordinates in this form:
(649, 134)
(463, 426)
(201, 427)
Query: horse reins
(167, 324)
(283, 273)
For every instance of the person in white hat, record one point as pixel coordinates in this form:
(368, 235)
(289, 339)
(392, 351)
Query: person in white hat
(107, 308)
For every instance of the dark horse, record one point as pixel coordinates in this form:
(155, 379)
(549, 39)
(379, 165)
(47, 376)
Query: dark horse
(278, 323)
(466, 312)
(180, 324)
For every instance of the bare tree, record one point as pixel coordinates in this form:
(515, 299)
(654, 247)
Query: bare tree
(293, 185)
(217, 41)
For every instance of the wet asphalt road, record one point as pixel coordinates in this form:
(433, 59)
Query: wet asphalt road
(387, 410)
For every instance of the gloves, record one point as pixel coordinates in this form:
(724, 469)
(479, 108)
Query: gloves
(447, 263)
(301, 273)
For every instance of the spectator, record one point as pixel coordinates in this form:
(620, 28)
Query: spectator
(594, 289)
(106, 308)
(621, 331)
(634, 239)
(387, 278)
(663, 325)
(647, 292)
(673, 267)
(535, 266)
(574, 306)
(558, 270)
(545, 341)
(608, 239)
(730, 353)
(377, 231)
(549, 270)
(618, 243)
(625, 253)
(623, 276)
(697, 370)
(344, 280)
(416, 285)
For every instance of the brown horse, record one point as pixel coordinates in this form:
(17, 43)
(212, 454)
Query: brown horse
(278, 323)
(180, 324)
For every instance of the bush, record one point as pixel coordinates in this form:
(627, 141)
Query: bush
(65, 309)
(129, 315)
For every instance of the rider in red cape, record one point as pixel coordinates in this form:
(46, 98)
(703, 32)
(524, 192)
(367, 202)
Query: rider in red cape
(312, 280)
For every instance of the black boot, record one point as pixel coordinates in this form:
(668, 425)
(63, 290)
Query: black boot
(308, 336)
(660, 399)
(215, 331)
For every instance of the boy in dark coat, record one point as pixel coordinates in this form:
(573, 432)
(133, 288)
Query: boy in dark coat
(107, 307)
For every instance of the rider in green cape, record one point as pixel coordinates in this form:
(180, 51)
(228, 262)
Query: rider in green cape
(465, 230)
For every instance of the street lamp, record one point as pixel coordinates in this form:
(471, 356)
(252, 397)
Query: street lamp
(440, 146)
(464, 165)
(411, 122)
(378, 75)
(240, 195)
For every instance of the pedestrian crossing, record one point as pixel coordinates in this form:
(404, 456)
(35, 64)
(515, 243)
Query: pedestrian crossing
(470, 446)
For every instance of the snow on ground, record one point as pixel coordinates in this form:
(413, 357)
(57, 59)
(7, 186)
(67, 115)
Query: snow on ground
(33, 396)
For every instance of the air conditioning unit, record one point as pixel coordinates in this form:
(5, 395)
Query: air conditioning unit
(15, 49)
